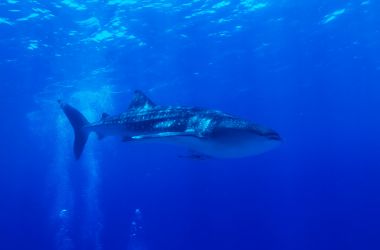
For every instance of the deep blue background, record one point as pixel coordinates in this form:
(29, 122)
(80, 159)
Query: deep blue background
(281, 65)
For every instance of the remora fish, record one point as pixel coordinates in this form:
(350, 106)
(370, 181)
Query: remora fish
(209, 132)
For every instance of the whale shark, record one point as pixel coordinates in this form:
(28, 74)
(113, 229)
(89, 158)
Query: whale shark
(208, 132)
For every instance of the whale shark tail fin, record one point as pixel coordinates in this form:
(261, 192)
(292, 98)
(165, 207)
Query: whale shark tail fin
(78, 122)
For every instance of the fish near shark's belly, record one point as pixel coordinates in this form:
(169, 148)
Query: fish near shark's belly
(219, 149)
(201, 145)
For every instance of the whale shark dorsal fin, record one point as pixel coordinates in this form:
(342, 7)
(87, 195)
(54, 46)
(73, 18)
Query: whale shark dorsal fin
(140, 101)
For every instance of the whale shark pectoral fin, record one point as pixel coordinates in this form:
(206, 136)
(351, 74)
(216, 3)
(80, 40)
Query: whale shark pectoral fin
(162, 135)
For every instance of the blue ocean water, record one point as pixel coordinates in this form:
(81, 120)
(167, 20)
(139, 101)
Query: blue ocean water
(308, 69)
